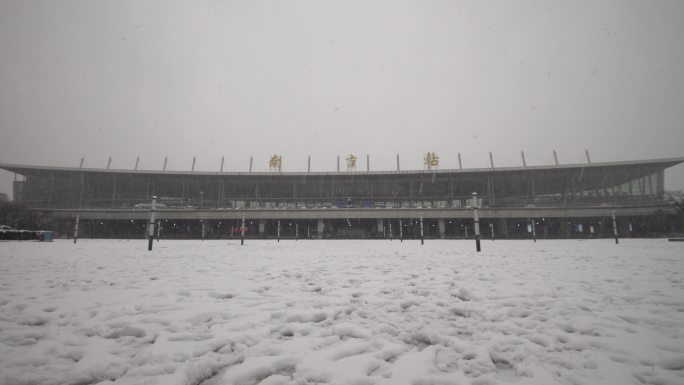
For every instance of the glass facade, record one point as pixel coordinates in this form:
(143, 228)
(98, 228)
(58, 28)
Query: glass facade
(552, 187)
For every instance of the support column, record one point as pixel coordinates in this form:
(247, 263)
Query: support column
(503, 227)
(564, 227)
(442, 228)
(262, 228)
(381, 226)
(422, 233)
(319, 228)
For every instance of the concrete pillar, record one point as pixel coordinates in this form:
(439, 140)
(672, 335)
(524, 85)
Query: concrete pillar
(319, 228)
(262, 228)
(564, 227)
(442, 228)
(503, 227)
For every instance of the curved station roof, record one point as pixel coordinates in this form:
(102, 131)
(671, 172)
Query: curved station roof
(656, 164)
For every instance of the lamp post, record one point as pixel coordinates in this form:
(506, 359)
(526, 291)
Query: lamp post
(476, 223)
(78, 217)
(401, 230)
(615, 232)
(150, 226)
(242, 231)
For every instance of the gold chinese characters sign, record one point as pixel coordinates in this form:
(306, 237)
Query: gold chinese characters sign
(351, 163)
(275, 163)
(431, 160)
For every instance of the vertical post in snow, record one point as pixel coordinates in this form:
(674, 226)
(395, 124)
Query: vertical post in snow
(296, 231)
(534, 230)
(460, 165)
(278, 231)
(251, 159)
(398, 168)
(308, 232)
(109, 162)
(222, 159)
(166, 158)
(476, 223)
(150, 226)
(615, 232)
(76, 228)
(422, 241)
(491, 227)
(82, 161)
(338, 163)
(308, 163)
(401, 230)
(367, 163)
(586, 152)
(242, 231)
(202, 222)
(466, 232)
(158, 230)
(491, 160)
(137, 162)
(194, 159)
(390, 228)
(555, 157)
(522, 154)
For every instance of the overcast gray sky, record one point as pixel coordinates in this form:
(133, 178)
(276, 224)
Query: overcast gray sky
(238, 78)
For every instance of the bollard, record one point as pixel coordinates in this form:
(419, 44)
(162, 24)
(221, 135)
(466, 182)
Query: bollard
(296, 231)
(202, 222)
(278, 231)
(158, 230)
(534, 231)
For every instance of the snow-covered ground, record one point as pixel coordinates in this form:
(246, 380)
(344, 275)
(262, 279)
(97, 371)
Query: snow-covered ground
(342, 312)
